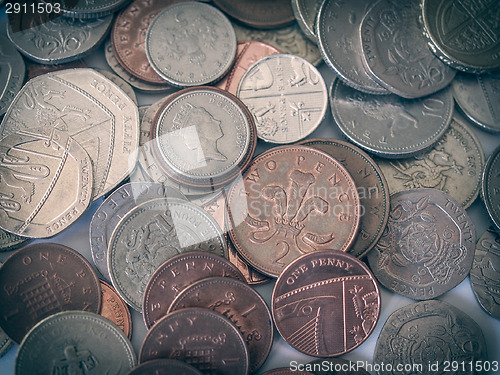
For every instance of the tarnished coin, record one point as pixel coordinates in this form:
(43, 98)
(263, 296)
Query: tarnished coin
(5, 342)
(491, 186)
(305, 12)
(326, 303)
(485, 272)
(199, 337)
(75, 342)
(164, 367)
(463, 34)
(178, 273)
(45, 184)
(120, 82)
(240, 304)
(190, 44)
(89, 107)
(335, 366)
(41, 280)
(428, 245)
(477, 96)
(430, 333)
(290, 201)
(34, 69)
(12, 71)
(395, 53)
(388, 125)
(455, 165)
(287, 97)
(259, 14)
(9, 241)
(115, 309)
(88, 8)
(372, 189)
(152, 233)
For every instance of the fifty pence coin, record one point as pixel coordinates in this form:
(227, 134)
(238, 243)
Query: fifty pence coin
(326, 303)
(287, 97)
(120, 82)
(305, 12)
(12, 71)
(115, 309)
(164, 367)
(427, 247)
(190, 44)
(76, 341)
(491, 186)
(41, 280)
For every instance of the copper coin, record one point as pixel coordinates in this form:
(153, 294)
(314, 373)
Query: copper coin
(260, 14)
(290, 201)
(199, 337)
(177, 273)
(326, 303)
(34, 70)
(115, 309)
(164, 367)
(240, 304)
(43, 279)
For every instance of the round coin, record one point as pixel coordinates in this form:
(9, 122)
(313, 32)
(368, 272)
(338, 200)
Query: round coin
(12, 71)
(87, 8)
(75, 341)
(285, 371)
(427, 247)
(336, 366)
(9, 241)
(199, 337)
(42, 279)
(287, 97)
(326, 303)
(115, 309)
(190, 44)
(429, 333)
(164, 367)
(290, 201)
(491, 186)
(34, 69)
(5, 342)
(305, 12)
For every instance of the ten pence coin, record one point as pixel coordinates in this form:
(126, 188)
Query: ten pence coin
(306, 12)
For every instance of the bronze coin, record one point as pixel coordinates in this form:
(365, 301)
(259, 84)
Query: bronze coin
(164, 367)
(260, 14)
(177, 273)
(290, 201)
(199, 337)
(34, 70)
(42, 279)
(240, 304)
(115, 309)
(326, 303)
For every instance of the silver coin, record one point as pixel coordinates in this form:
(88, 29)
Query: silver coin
(12, 72)
(56, 40)
(391, 126)
(190, 44)
(337, 31)
(287, 97)
(90, 108)
(9, 241)
(478, 97)
(116, 206)
(88, 8)
(305, 12)
(46, 182)
(491, 186)
(463, 34)
(152, 233)
(5, 342)
(120, 82)
(75, 342)
(396, 54)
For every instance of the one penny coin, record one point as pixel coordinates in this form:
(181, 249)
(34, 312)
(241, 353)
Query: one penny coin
(115, 309)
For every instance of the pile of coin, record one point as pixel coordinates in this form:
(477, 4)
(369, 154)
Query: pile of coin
(224, 183)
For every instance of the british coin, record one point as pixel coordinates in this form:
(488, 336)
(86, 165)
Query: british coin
(491, 186)
(396, 54)
(113, 209)
(164, 367)
(485, 272)
(259, 14)
(43, 279)
(178, 273)
(9, 241)
(464, 35)
(115, 309)
(34, 69)
(455, 165)
(287, 97)
(241, 305)
(46, 182)
(337, 32)
(12, 72)
(476, 96)
(388, 125)
(326, 303)
(89, 9)
(286, 371)
(190, 334)
(372, 189)
(120, 82)
(152, 233)
(292, 200)
(305, 13)
(93, 110)
(203, 137)
(335, 366)
(429, 333)
(72, 342)
(427, 247)
(5, 342)
(190, 44)
(51, 39)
